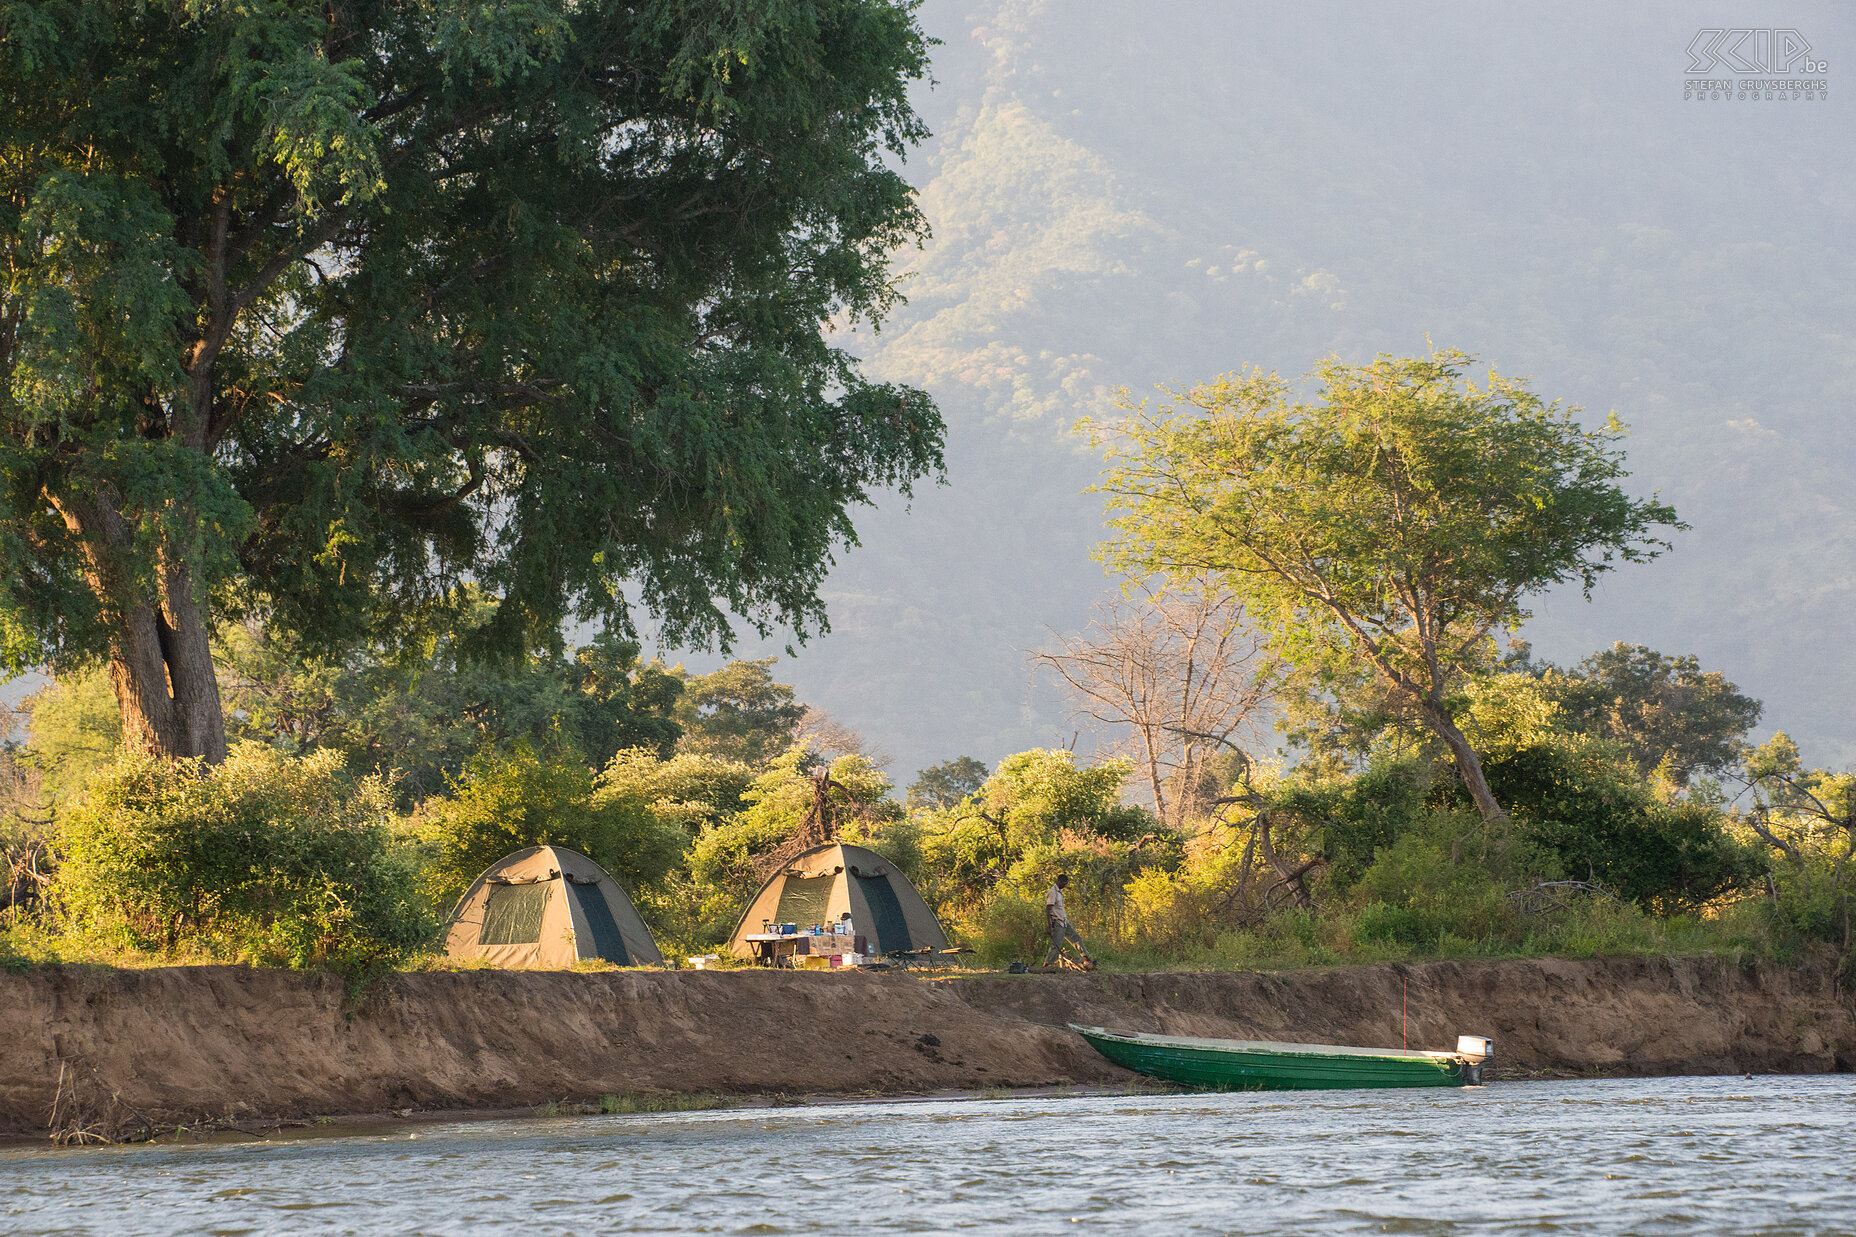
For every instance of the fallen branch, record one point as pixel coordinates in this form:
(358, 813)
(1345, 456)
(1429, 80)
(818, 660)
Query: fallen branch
(1536, 898)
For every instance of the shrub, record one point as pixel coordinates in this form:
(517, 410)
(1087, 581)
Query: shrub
(1009, 926)
(1378, 921)
(1364, 813)
(1424, 893)
(508, 801)
(267, 858)
(1581, 802)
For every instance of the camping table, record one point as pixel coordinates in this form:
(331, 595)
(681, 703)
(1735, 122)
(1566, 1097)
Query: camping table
(773, 948)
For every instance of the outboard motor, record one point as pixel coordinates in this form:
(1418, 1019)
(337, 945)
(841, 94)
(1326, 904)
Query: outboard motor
(1478, 1054)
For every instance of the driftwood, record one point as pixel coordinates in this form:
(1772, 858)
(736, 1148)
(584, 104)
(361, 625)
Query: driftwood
(1539, 896)
(88, 1111)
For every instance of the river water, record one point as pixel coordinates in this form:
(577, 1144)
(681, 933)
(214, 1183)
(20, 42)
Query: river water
(1675, 1155)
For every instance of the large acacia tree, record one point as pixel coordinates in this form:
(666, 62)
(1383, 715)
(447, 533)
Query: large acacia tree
(1388, 528)
(322, 312)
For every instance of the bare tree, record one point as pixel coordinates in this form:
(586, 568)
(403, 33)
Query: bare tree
(1178, 674)
(833, 804)
(827, 738)
(1266, 818)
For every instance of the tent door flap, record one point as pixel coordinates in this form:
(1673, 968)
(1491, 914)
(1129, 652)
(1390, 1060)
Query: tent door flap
(608, 942)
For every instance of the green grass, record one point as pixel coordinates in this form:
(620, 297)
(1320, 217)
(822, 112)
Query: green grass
(1588, 928)
(629, 1102)
(1583, 927)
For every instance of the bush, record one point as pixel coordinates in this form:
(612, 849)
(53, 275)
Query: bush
(1365, 813)
(1008, 927)
(1581, 802)
(267, 858)
(1424, 894)
(1378, 921)
(507, 802)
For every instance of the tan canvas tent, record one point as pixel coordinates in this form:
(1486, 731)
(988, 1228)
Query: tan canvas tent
(548, 907)
(820, 885)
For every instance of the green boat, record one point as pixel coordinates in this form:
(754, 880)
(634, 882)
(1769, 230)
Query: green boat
(1260, 1065)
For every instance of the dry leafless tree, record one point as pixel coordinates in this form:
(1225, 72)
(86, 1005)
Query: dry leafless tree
(1177, 675)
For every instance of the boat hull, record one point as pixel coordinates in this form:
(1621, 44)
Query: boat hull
(1262, 1067)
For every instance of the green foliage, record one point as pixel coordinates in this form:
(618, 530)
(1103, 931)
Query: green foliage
(722, 873)
(947, 783)
(1508, 712)
(1007, 927)
(1389, 529)
(75, 731)
(1806, 820)
(1040, 813)
(722, 863)
(1364, 814)
(265, 858)
(26, 820)
(416, 720)
(421, 718)
(1581, 809)
(738, 713)
(328, 308)
(1667, 712)
(781, 797)
(1582, 800)
(508, 801)
(688, 790)
(1418, 892)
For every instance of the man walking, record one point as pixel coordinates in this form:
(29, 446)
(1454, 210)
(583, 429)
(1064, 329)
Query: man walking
(1057, 922)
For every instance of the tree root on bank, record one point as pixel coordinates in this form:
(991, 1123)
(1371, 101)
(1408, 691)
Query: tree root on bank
(89, 1111)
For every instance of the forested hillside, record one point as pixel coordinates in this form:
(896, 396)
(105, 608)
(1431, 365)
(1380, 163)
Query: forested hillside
(1125, 197)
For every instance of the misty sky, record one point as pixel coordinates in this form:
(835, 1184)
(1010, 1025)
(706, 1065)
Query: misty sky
(1128, 195)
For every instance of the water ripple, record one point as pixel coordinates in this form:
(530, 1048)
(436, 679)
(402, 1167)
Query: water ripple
(1654, 1156)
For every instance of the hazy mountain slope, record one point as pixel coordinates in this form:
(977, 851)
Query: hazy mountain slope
(1125, 196)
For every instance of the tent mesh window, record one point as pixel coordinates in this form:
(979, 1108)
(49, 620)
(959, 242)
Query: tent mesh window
(512, 916)
(803, 899)
(607, 943)
(891, 929)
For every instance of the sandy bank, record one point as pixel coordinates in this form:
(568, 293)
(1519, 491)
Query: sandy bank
(181, 1043)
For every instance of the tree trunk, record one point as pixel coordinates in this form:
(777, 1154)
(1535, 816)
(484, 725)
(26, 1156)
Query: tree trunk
(161, 661)
(1289, 878)
(1468, 764)
(198, 714)
(1155, 783)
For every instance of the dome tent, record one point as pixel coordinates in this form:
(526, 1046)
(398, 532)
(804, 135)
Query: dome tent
(548, 907)
(821, 884)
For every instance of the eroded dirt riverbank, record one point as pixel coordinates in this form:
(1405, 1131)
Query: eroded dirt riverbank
(183, 1043)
